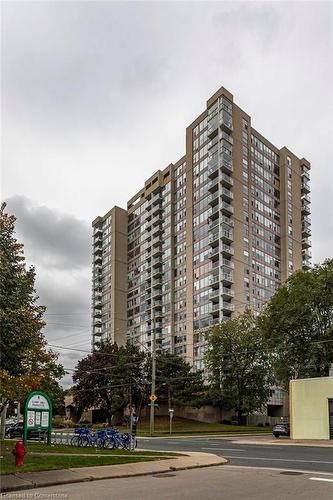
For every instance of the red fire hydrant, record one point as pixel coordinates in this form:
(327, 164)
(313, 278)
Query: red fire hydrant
(19, 451)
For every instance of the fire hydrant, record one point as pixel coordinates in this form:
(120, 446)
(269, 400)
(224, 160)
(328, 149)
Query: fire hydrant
(19, 451)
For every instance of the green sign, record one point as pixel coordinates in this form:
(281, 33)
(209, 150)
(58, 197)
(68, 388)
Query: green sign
(37, 415)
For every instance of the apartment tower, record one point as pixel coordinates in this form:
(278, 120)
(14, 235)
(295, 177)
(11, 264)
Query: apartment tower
(211, 234)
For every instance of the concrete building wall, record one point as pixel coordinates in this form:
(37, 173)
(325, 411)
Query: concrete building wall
(309, 408)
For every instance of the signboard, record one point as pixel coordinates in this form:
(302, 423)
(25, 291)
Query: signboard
(153, 397)
(37, 414)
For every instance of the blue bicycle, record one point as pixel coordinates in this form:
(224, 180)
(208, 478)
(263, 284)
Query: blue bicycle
(116, 440)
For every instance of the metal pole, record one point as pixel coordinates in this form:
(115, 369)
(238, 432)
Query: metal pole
(153, 380)
(131, 417)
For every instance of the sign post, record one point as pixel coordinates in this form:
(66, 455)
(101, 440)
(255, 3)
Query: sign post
(37, 415)
(171, 411)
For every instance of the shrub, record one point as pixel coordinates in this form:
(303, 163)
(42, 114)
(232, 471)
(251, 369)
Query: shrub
(225, 421)
(260, 424)
(267, 424)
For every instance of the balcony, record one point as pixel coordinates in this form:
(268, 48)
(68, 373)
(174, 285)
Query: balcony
(157, 251)
(226, 208)
(214, 254)
(306, 230)
(156, 199)
(157, 230)
(306, 243)
(98, 232)
(214, 238)
(226, 180)
(227, 250)
(227, 293)
(157, 293)
(97, 314)
(226, 221)
(227, 278)
(213, 166)
(97, 304)
(215, 310)
(214, 295)
(306, 265)
(306, 198)
(305, 209)
(156, 220)
(97, 331)
(213, 185)
(213, 198)
(305, 188)
(228, 264)
(157, 210)
(227, 307)
(157, 272)
(157, 304)
(214, 280)
(226, 163)
(226, 194)
(226, 122)
(98, 259)
(156, 263)
(227, 236)
(156, 283)
(98, 249)
(214, 213)
(156, 241)
(212, 126)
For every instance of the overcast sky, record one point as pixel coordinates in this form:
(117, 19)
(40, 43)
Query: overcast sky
(96, 97)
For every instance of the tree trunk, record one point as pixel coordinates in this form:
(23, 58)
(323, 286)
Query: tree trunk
(239, 417)
(3, 419)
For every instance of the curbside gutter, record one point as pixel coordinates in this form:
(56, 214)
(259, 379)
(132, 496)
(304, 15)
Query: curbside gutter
(31, 480)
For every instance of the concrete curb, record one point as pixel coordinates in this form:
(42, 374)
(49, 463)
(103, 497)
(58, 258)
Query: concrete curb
(32, 480)
(202, 436)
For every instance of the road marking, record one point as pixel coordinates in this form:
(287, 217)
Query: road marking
(280, 459)
(321, 479)
(273, 469)
(223, 449)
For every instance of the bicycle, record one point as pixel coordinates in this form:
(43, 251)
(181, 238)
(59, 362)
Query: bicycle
(114, 440)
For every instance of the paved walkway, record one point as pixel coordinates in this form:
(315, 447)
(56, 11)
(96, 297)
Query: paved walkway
(29, 480)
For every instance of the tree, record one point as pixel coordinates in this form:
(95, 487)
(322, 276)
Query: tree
(298, 324)
(176, 382)
(25, 364)
(238, 365)
(109, 378)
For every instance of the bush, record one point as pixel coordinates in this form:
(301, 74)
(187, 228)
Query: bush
(58, 421)
(260, 424)
(85, 423)
(267, 424)
(225, 421)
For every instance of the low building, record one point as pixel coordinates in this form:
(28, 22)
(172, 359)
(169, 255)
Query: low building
(311, 408)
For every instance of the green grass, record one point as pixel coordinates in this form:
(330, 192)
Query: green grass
(183, 426)
(49, 460)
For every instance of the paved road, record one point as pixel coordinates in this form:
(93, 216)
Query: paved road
(212, 483)
(252, 455)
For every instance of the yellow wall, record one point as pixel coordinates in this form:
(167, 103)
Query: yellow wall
(309, 407)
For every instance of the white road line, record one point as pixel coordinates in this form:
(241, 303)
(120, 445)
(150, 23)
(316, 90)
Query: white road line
(274, 469)
(280, 459)
(223, 449)
(321, 479)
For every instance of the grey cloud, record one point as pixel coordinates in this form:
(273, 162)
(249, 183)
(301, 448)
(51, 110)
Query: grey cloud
(56, 240)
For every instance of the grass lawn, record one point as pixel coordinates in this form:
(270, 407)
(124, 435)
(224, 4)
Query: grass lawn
(183, 426)
(49, 459)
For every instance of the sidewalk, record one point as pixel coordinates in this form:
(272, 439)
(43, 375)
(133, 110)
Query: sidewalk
(30, 480)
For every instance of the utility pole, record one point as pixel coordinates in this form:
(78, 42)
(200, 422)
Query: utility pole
(153, 380)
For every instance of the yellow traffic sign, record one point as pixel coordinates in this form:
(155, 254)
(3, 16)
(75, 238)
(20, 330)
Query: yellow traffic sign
(153, 397)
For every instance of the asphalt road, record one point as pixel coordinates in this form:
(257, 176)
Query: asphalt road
(212, 483)
(251, 455)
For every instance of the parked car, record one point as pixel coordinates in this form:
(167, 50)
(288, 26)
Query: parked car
(281, 429)
(16, 430)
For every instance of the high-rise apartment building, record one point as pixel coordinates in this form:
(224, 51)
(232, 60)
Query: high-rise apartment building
(211, 234)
